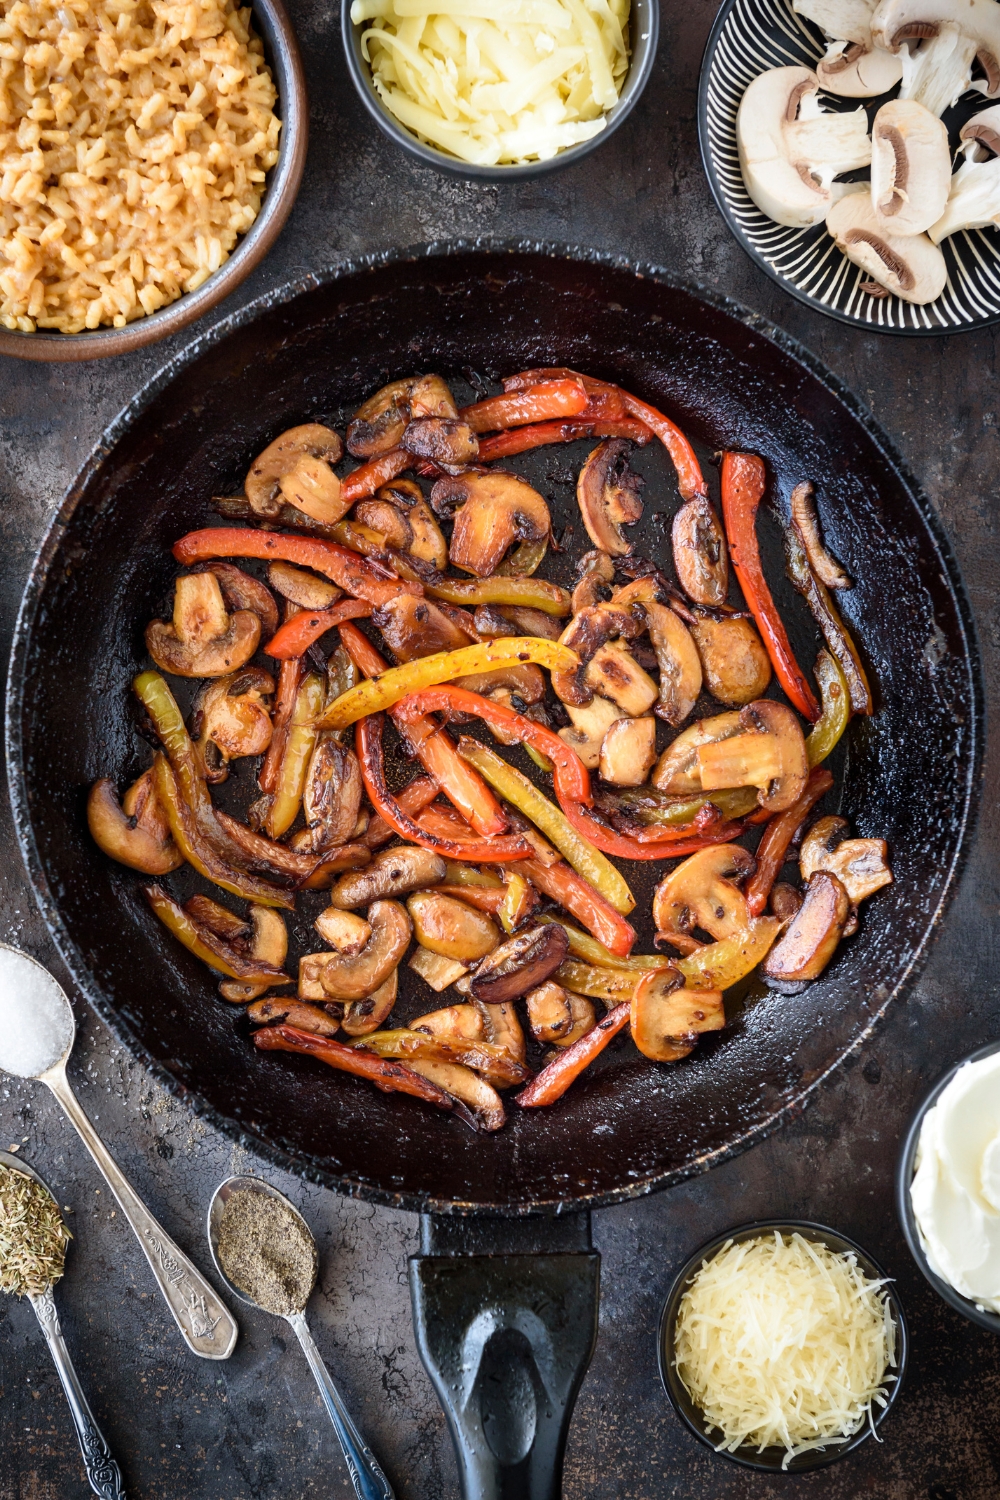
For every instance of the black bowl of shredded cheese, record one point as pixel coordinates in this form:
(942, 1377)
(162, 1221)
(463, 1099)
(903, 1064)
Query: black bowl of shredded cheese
(782, 1345)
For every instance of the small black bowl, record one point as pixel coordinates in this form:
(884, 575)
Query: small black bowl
(771, 1459)
(904, 1207)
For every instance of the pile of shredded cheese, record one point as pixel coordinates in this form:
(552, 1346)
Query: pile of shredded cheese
(494, 81)
(784, 1343)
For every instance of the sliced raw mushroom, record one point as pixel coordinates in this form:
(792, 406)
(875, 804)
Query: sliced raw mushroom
(452, 928)
(231, 719)
(804, 519)
(557, 1016)
(368, 1014)
(596, 573)
(379, 424)
(703, 893)
(392, 872)
(667, 1019)
(302, 588)
(413, 627)
(464, 1021)
(790, 151)
(861, 865)
(446, 441)
(950, 35)
(769, 753)
(974, 192)
(853, 65)
(313, 447)
(701, 558)
(241, 591)
(590, 724)
(343, 930)
(202, 640)
(677, 770)
(494, 510)
(268, 941)
(355, 976)
(911, 167)
(520, 964)
(134, 831)
(607, 492)
(910, 265)
(736, 667)
(809, 942)
(628, 751)
(427, 540)
(331, 799)
(276, 1010)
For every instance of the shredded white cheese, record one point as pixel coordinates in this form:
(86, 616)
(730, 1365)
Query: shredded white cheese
(784, 1343)
(493, 81)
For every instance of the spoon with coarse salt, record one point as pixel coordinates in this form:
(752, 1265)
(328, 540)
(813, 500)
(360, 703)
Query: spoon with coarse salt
(37, 1031)
(32, 1269)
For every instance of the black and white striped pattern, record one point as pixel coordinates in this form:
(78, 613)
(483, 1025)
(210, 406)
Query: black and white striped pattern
(749, 37)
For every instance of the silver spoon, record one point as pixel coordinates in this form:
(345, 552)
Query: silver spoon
(37, 1031)
(366, 1476)
(102, 1471)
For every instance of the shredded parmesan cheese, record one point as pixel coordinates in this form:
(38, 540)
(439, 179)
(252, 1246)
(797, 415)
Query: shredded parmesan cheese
(497, 81)
(784, 1343)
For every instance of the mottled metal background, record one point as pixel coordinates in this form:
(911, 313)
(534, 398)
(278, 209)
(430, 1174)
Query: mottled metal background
(188, 1430)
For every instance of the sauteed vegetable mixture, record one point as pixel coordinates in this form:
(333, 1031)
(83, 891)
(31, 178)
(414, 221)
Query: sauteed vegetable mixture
(509, 888)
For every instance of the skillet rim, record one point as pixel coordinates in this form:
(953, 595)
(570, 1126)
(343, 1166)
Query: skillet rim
(307, 1168)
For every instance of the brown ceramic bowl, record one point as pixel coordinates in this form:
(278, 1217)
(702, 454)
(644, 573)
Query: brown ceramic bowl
(282, 52)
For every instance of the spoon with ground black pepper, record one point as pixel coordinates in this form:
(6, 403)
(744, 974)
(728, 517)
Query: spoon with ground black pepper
(265, 1252)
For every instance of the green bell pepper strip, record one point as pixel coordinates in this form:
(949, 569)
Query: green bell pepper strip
(835, 696)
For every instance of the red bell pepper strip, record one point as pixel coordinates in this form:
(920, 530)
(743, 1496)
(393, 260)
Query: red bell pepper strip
(554, 1079)
(553, 398)
(289, 681)
(560, 882)
(773, 847)
(743, 482)
(460, 782)
(540, 434)
(412, 799)
(298, 634)
(369, 477)
(354, 574)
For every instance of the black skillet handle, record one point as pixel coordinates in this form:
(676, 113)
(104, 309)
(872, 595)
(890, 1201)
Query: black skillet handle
(505, 1314)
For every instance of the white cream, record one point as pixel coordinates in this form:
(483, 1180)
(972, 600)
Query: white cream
(955, 1190)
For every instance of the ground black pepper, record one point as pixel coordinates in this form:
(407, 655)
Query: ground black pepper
(266, 1251)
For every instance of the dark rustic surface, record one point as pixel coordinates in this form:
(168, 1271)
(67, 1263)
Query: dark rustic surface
(253, 1427)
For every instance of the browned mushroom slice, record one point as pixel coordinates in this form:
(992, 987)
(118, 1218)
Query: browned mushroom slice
(493, 511)
(700, 555)
(585, 634)
(590, 724)
(677, 656)
(276, 1010)
(392, 872)
(810, 940)
(502, 1028)
(463, 1021)
(804, 519)
(427, 540)
(343, 930)
(354, 976)
(608, 495)
(202, 640)
(703, 894)
(436, 970)
(861, 865)
(312, 441)
(367, 1014)
(480, 1096)
(769, 753)
(628, 751)
(520, 964)
(677, 768)
(133, 831)
(523, 679)
(447, 442)
(614, 673)
(231, 718)
(736, 667)
(666, 1018)
(452, 928)
(531, 621)
(413, 627)
(269, 941)
(785, 900)
(331, 800)
(596, 573)
(385, 518)
(557, 1016)
(240, 591)
(379, 423)
(314, 489)
(302, 588)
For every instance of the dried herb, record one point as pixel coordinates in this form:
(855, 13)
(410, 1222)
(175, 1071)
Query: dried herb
(33, 1237)
(266, 1251)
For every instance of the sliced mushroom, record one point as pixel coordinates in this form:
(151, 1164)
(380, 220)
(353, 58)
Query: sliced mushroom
(784, 900)
(974, 193)
(135, 831)
(241, 591)
(861, 865)
(503, 1028)
(413, 627)
(452, 928)
(311, 966)
(269, 941)
(701, 557)
(628, 751)
(358, 975)
(769, 753)
(231, 719)
(314, 489)
(666, 1018)
(427, 541)
(908, 265)
(853, 65)
(522, 679)
(809, 942)
(341, 674)
(480, 1096)
(463, 1021)
(302, 588)
(446, 441)
(790, 150)
(557, 1016)
(392, 872)
(343, 930)
(702, 893)
(596, 572)
(677, 770)
(520, 964)
(911, 167)
(676, 654)
(950, 35)
(436, 970)
(379, 423)
(805, 521)
(608, 495)
(590, 724)
(585, 634)
(388, 520)
(274, 1010)
(736, 667)
(331, 800)
(614, 673)
(311, 442)
(492, 621)
(202, 640)
(494, 510)
(367, 1014)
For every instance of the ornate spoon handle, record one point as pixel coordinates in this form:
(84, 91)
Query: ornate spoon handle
(202, 1317)
(102, 1471)
(367, 1478)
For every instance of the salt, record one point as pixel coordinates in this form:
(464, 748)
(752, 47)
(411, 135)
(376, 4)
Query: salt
(36, 1019)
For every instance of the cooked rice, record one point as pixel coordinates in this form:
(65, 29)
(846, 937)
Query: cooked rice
(134, 140)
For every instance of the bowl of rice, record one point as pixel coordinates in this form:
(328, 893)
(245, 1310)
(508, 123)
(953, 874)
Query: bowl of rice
(151, 151)
(491, 89)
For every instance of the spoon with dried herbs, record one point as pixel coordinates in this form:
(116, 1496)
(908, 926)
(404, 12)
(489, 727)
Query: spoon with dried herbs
(264, 1251)
(33, 1243)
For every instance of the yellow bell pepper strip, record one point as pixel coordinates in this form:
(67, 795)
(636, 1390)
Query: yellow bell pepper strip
(159, 702)
(554, 1079)
(486, 1057)
(835, 696)
(733, 802)
(297, 634)
(383, 692)
(541, 761)
(355, 575)
(300, 743)
(609, 985)
(719, 965)
(531, 593)
(213, 950)
(574, 894)
(525, 796)
(516, 902)
(460, 874)
(772, 851)
(525, 559)
(589, 950)
(564, 397)
(834, 631)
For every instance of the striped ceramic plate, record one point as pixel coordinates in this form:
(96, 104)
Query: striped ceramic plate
(748, 37)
